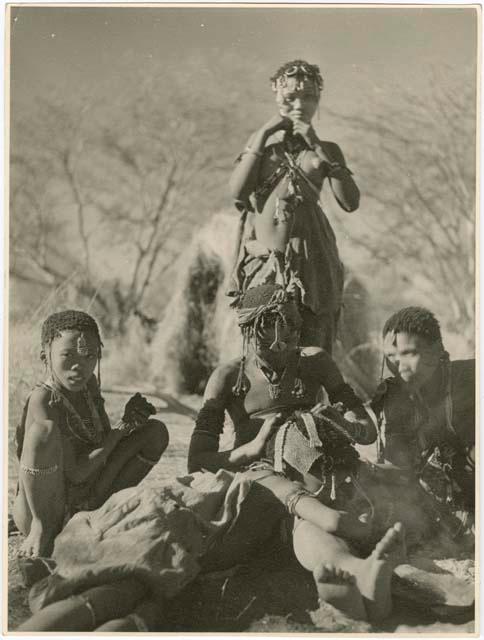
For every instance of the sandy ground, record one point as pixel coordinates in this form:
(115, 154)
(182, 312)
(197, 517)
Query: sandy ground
(274, 594)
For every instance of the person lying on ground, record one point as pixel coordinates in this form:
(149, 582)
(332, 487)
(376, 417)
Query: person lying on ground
(70, 456)
(285, 235)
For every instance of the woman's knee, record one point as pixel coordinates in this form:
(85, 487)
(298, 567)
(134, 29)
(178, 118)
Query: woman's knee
(156, 438)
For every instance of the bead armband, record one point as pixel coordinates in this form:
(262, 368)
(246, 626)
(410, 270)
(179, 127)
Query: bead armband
(39, 471)
(210, 419)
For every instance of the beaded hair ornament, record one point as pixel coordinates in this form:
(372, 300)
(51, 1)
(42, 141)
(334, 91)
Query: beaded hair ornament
(302, 72)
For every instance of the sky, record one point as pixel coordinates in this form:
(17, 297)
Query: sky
(73, 47)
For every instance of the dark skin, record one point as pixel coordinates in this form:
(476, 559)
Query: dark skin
(415, 363)
(316, 368)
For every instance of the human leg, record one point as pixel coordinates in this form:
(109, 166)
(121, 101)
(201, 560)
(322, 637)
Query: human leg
(39, 507)
(89, 609)
(316, 550)
(311, 509)
(132, 459)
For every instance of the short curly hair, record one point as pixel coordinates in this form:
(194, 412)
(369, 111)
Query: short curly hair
(65, 320)
(415, 320)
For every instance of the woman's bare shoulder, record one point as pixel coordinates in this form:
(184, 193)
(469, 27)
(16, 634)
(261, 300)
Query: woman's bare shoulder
(222, 379)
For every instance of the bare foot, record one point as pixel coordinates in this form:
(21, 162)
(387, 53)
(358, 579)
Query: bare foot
(39, 542)
(375, 573)
(339, 588)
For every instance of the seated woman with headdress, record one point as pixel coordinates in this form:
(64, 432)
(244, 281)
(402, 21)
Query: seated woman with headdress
(298, 449)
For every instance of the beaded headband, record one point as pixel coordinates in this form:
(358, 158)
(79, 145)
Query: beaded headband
(302, 72)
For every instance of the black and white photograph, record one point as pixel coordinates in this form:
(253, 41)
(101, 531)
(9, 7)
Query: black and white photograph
(241, 308)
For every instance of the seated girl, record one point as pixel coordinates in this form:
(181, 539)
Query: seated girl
(71, 457)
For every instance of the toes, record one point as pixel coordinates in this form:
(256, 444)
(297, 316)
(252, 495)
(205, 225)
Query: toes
(347, 577)
(343, 576)
(320, 573)
(324, 573)
(385, 543)
(25, 550)
(392, 539)
(330, 574)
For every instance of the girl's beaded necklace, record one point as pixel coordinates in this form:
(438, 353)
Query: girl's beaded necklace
(88, 429)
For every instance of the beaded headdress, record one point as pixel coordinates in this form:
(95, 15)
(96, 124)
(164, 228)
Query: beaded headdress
(302, 72)
(256, 306)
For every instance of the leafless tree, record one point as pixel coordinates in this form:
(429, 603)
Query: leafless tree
(107, 193)
(416, 161)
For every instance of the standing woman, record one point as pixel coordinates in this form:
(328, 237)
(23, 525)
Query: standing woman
(286, 238)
